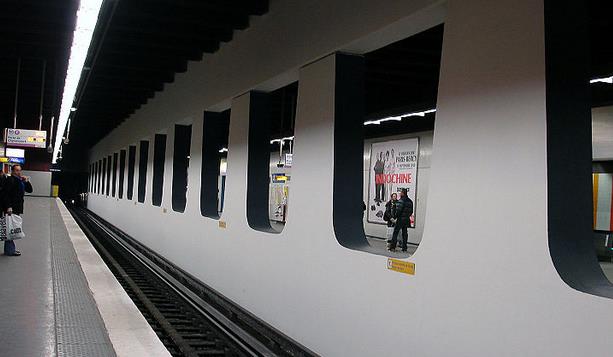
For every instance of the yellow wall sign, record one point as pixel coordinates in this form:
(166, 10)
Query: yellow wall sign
(401, 266)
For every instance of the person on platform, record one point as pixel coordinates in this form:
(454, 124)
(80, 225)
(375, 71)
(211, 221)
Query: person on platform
(404, 210)
(389, 216)
(13, 189)
(390, 210)
(379, 168)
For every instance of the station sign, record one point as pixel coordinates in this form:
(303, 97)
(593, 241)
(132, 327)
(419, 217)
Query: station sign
(289, 158)
(26, 138)
(279, 178)
(12, 152)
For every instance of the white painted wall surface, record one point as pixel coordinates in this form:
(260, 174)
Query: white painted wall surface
(484, 285)
(602, 133)
(41, 182)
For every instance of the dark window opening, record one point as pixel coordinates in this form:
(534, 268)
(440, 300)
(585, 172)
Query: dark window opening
(398, 85)
(579, 104)
(159, 158)
(104, 177)
(271, 126)
(99, 180)
(283, 116)
(215, 130)
(131, 163)
(258, 162)
(114, 188)
(122, 169)
(180, 165)
(108, 175)
(143, 158)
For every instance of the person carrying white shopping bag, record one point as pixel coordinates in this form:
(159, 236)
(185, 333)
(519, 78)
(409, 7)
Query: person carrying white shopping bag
(13, 190)
(11, 228)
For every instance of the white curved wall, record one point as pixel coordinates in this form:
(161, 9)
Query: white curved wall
(484, 285)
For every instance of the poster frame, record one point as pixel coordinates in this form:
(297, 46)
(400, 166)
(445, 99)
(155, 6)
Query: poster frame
(370, 176)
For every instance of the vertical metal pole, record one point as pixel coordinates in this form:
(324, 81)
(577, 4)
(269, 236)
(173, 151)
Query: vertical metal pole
(42, 96)
(16, 93)
(51, 132)
(67, 137)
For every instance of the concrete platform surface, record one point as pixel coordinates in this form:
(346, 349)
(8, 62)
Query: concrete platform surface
(50, 307)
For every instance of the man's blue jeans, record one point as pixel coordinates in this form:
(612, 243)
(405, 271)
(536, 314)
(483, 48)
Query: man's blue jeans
(9, 247)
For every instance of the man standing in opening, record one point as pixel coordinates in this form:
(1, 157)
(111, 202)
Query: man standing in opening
(404, 210)
(15, 186)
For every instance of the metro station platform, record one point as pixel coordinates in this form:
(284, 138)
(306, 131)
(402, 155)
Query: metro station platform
(60, 299)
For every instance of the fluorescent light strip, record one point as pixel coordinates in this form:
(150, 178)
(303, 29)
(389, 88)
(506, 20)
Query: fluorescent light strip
(602, 80)
(399, 117)
(87, 17)
(223, 150)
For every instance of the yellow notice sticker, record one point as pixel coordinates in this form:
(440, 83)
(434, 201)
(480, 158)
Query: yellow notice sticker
(222, 224)
(401, 266)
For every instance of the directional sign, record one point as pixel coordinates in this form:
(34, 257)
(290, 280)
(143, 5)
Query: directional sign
(26, 138)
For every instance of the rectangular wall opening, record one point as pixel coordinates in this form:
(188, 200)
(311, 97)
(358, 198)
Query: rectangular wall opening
(283, 115)
(131, 164)
(215, 130)
(99, 181)
(104, 176)
(159, 159)
(387, 143)
(143, 158)
(114, 183)
(122, 169)
(180, 166)
(108, 175)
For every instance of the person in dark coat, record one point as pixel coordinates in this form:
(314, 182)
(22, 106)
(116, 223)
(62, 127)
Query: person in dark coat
(14, 187)
(404, 210)
(390, 210)
(379, 168)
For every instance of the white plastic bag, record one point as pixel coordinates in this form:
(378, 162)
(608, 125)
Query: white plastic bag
(11, 227)
(389, 233)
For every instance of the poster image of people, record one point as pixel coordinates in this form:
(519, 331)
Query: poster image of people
(393, 166)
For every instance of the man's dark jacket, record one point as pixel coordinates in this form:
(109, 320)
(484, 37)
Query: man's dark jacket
(14, 193)
(404, 210)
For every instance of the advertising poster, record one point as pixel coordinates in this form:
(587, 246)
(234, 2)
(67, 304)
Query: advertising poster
(393, 166)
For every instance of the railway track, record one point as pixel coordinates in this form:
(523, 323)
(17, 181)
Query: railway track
(184, 322)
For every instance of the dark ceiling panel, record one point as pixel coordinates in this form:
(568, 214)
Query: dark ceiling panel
(139, 46)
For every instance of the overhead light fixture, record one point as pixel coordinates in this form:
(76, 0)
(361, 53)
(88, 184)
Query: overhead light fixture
(399, 117)
(87, 17)
(281, 139)
(602, 80)
(223, 150)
